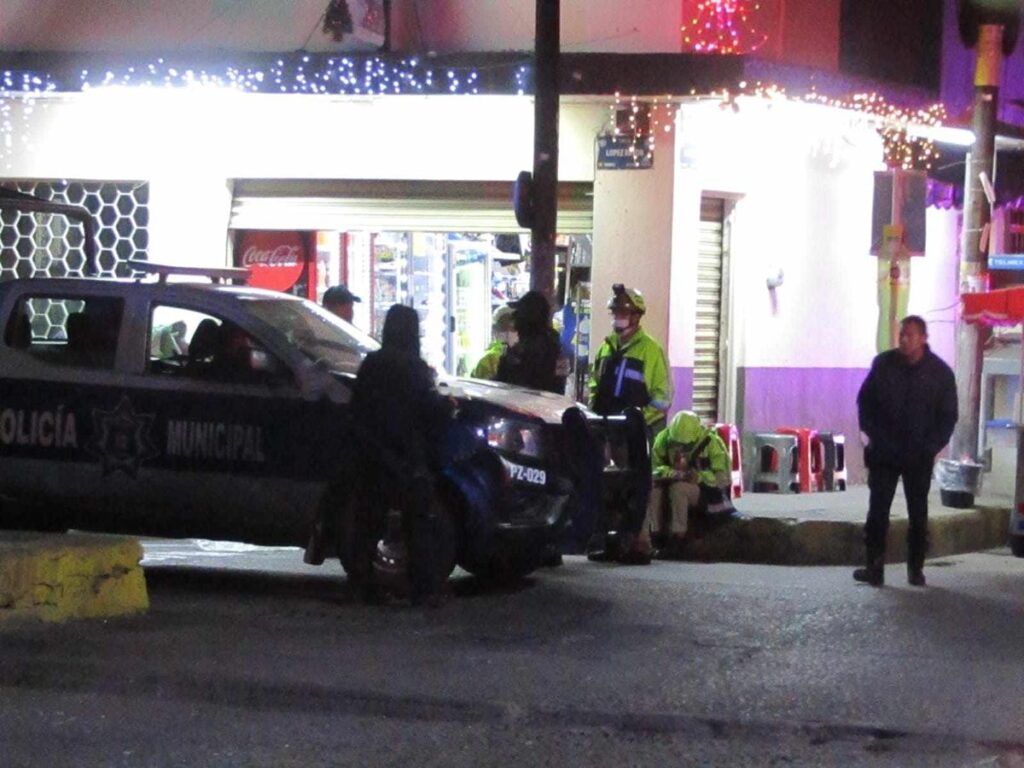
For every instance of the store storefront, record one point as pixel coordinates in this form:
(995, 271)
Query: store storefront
(451, 250)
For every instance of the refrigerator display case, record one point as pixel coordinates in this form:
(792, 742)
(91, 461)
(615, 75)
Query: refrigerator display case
(470, 291)
(428, 277)
(389, 276)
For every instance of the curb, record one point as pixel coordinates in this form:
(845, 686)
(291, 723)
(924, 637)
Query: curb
(789, 541)
(55, 577)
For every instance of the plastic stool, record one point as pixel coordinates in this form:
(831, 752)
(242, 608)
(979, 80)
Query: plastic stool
(776, 467)
(810, 457)
(731, 437)
(834, 475)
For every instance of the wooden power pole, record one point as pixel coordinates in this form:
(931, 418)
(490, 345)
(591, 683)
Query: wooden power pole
(545, 148)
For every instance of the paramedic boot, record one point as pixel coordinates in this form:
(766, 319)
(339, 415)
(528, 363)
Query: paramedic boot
(873, 572)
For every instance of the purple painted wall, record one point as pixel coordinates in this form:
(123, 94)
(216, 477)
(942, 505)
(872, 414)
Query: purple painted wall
(682, 383)
(821, 398)
(767, 398)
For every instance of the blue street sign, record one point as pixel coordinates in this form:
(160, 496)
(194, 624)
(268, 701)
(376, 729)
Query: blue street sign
(617, 153)
(1006, 261)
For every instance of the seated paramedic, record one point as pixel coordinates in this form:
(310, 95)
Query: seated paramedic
(690, 464)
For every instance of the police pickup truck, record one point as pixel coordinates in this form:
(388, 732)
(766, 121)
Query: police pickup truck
(211, 409)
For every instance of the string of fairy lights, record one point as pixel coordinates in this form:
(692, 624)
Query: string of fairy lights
(723, 26)
(297, 75)
(648, 117)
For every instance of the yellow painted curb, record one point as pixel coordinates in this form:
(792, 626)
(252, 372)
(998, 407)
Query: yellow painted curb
(55, 577)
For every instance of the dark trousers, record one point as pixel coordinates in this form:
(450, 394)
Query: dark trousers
(917, 481)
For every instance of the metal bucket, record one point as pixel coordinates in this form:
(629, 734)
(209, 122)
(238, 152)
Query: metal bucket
(959, 482)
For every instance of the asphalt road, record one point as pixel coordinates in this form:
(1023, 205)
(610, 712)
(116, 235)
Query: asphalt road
(250, 658)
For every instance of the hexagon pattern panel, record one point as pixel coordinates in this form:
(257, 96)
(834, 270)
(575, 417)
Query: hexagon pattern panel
(51, 245)
(48, 245)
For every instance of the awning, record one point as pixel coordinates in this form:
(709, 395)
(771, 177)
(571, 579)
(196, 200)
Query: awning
(1001, 307)
(406, 206)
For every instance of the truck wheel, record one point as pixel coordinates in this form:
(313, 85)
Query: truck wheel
(363, 543)
(1017, 545)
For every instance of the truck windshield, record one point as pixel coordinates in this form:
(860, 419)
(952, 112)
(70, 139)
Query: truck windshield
(317, 333)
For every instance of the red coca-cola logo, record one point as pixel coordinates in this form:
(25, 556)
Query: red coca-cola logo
(281, 256)
(275, 260)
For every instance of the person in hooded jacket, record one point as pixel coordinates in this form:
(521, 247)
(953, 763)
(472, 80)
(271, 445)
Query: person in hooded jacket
(691, 465)
(907, 408)
(503, 335)
(401, 418)
(536, 360)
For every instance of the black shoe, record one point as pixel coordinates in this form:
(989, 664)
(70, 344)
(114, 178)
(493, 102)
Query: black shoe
(915, 577)
(600, 556)
(872, 575)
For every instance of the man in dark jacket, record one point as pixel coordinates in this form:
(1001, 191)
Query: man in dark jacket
(401, 418)
(907, 407)
(536, 359)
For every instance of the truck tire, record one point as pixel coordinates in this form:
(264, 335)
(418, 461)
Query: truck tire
(359, 553)
(1017, 546)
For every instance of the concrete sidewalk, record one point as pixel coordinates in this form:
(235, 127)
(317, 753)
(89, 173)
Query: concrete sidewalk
(53, 577)
(827, 529)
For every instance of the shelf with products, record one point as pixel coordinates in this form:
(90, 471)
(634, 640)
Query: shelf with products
(390, 281)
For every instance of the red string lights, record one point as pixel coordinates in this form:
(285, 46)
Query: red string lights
(722, 26)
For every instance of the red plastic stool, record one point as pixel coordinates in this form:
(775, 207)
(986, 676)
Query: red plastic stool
(810, 457)
(731, 437)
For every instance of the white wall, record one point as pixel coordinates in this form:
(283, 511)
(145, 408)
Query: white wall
(633, 241)
(636, 26)
(190, 144)
(803, 176)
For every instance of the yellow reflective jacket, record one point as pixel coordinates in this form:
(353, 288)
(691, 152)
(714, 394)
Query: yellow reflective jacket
(685, 442)
(631, 374)
(487, 366)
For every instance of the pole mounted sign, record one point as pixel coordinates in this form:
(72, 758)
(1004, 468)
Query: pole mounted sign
(623, 152)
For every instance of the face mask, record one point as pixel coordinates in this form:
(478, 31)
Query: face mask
(621, 323)
(507, 337)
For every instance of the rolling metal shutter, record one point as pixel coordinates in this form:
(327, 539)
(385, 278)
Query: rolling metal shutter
(707, 343)
(405, 206)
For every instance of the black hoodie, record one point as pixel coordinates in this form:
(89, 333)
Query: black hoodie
(907, 411)
(395, 401)
(533, 361)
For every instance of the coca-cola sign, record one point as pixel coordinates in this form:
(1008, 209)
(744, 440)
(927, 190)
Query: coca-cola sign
(275, 260)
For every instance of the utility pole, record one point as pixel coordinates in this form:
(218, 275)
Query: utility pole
(545, 147)
(973, 246)
(991, 25)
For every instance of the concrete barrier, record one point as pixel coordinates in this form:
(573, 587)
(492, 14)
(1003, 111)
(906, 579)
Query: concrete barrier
(55, 577)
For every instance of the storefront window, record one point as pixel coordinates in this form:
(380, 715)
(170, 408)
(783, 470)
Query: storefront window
(454, 280)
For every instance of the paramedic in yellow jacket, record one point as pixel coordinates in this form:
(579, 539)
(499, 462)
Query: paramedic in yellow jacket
(691, 465)
(503, 336)
(630, 368)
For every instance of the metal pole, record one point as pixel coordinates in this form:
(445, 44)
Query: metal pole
(545, 148)
(973, 258)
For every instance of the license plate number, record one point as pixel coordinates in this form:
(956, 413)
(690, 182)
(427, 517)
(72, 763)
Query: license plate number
(530, 475)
